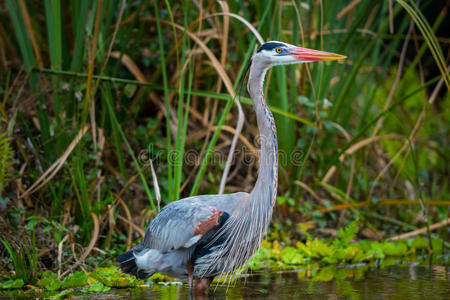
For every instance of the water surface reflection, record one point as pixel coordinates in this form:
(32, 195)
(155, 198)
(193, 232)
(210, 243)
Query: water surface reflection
(398, 282)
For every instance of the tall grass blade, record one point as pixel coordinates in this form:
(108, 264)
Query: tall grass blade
(108, 101)
(429, 36)
(171, 196)
(80, 13)
(53, 20)
(21, 34)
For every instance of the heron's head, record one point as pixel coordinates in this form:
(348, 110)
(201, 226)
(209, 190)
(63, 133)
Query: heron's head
(279, 53)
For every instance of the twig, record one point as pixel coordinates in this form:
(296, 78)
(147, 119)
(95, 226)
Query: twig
(230, 129)
(392, 220)
(419, 231)
(348, 8)
(308, 189)
(110, 210)
(130, 181)
(60, 245)
(383, 202)
(55, 167)
(386, 168)
(89, 248)
(355, 147)
(156, 186)
(391, 18)
(135, 227)
(244, 21)
(127, 212)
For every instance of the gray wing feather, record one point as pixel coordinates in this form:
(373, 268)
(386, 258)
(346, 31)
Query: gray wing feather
(174, 227)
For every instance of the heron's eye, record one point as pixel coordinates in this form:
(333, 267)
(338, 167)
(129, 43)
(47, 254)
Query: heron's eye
(279, 50)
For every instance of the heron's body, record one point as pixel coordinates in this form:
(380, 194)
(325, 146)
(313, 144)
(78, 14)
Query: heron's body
(204, 236)
(173, 237)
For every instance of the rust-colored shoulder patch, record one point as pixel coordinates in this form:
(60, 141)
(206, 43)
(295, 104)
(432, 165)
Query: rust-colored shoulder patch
(205, 226)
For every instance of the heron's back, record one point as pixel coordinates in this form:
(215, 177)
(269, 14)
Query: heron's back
(184, 230)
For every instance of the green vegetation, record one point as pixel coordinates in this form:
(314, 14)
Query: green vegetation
(316, 254)
(100, 280)
(91, 91)
(315, 259)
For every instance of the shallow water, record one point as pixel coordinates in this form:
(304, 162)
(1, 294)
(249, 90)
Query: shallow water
(409, 281)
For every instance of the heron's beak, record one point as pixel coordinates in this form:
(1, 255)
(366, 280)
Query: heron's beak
(305, 54)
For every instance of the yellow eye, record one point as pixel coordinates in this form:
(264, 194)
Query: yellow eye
(279, 50)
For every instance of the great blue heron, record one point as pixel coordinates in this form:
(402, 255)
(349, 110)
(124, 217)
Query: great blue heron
(203, 236)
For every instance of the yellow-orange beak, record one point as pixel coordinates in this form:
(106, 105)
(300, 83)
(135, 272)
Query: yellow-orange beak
(305, 54)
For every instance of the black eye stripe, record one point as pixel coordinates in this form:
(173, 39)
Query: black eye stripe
(270, 46)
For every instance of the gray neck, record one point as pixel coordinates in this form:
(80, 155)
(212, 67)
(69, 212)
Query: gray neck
(246, 227)
(265, 189)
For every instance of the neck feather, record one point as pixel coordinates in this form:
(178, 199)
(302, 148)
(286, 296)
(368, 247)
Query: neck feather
(246, 227)
(265, 189)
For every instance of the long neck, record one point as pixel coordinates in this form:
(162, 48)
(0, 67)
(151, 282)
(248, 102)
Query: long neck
(247, 225)
(265, 189)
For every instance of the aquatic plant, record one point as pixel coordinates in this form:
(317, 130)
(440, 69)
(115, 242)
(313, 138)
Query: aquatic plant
(91, 91)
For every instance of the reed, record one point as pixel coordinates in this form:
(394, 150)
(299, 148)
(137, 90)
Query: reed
(374, 127)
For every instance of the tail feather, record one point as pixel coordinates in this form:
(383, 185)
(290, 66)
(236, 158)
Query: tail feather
(127, 263)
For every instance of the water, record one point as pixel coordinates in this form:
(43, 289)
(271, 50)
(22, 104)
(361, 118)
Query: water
(409, 281)
(398, 282)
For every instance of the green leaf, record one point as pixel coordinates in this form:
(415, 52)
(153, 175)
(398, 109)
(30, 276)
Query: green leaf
(320, 248)
(12, 284)
(394, 249)
(50, 284)
(113, 277)
(62, 294)
(281, 200)
(420, 243)
(346, 254)
(77, 279)
(377, 250)
(437, 245)
(304, 249)
(49, 274)
(291, 256)
(349, 232)
(96, 288)
(158, 277)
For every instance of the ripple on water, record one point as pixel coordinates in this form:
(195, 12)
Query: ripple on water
(406, 281)
(409, 281)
